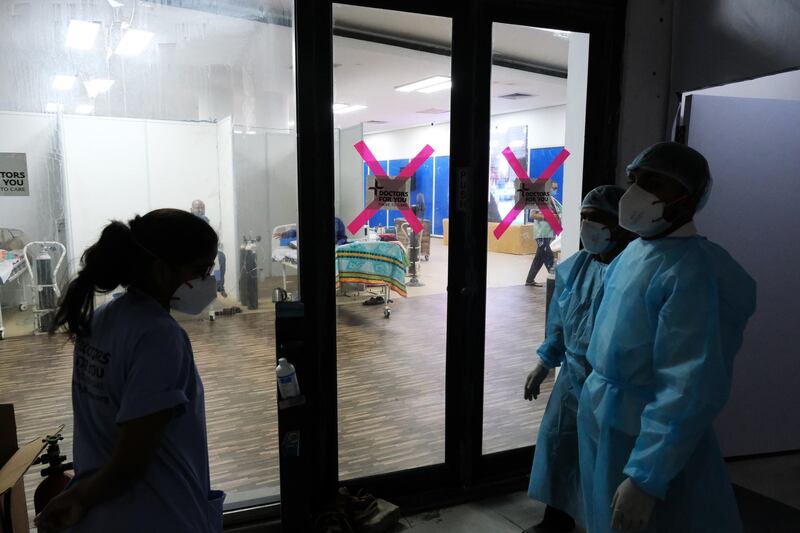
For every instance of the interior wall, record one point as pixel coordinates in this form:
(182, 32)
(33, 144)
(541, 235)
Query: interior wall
(644, 117)
(546, 127)
(783, 86)
(575, 130)
(251, 188)
(722, 41)
(118, 168)
(36, 136)
(281, 161)
(350, 194)
(744, 139)
(228, 231)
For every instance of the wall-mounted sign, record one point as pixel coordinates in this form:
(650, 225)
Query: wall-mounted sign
(14, 175)
(391, 193)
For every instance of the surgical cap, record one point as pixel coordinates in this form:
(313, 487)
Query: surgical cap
(685, 165)
(605, 198)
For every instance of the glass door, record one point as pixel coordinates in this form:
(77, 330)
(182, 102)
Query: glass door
(392, 120)
(535, 182)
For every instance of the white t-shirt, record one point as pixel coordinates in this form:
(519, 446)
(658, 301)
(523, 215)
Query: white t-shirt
(139, 361)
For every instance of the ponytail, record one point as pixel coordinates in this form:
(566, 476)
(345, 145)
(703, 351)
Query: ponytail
(106, 265)
(123, 256)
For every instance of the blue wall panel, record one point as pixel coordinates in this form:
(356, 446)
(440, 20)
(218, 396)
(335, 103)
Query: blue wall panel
(395, 166)
(380, 218)
(441, 206)
(540, 158)
(423, 183)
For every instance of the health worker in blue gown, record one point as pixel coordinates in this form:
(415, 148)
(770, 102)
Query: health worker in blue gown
(577, 295)
(668, 328)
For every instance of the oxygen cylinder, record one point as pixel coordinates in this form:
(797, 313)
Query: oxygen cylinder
(55, 475)
(46, 293)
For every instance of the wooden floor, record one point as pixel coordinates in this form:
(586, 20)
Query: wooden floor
(390, 381)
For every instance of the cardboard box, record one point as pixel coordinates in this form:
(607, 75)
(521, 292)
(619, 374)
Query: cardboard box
(517, 240)
(14, 462)
(8, 447)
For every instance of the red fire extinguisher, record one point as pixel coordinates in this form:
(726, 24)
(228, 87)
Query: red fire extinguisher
(55, 474)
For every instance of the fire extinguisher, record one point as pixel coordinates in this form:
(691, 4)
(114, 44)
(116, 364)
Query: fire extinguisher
(55, 474)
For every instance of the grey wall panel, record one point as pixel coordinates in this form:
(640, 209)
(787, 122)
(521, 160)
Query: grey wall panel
(721, 41)
(753, 148)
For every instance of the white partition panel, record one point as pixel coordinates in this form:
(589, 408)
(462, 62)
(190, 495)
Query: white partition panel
(106, 176)
(118, 168)
(228, 230)
(752, 149)
(182, 166)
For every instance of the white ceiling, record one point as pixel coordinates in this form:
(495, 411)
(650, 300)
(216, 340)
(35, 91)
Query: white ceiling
(369, 73)
(531, 45)
(204, 65)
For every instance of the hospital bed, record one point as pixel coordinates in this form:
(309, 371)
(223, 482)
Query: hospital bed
(373, 264)
(12, 266)
(284, 248)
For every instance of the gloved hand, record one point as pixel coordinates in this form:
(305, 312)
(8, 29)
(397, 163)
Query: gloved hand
(631, 507)
(534, 381)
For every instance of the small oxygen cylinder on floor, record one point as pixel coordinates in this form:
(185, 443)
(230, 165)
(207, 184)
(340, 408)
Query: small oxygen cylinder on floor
(46, 293)
(55, 475)
(287, 379)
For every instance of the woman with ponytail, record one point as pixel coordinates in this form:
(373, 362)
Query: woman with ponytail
(140, 447)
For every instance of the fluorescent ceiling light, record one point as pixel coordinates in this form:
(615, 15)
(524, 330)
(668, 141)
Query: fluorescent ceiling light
(291, 123)
(349, 109)
(84, 109)
(62, 82)
(337, 107)
(238, 132)
(421, 84)
(114, 3)
(251, 132)
(95, 87)
(437, 87)
(81, 34)
(133, 42)
(53, 107)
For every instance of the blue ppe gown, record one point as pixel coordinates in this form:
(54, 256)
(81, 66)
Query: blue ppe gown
(555, 478)
(669, 326)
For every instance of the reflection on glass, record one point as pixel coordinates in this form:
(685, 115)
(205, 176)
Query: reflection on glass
(529, 130)
(121, 109)
(391, 115)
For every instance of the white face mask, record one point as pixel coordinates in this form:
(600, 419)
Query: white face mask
(195, 295)
(642, 212)
(596, 237)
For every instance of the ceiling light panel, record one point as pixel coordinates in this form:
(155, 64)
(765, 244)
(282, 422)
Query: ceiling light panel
(134, 42)
(95, 87)
(349, 109)
(422, 84)
(436, 88)
(62, 82)
(82, 34)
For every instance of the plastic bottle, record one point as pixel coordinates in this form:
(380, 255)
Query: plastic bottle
(287, 379)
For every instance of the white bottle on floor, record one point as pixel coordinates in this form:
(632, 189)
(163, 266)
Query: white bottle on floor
(287, 379)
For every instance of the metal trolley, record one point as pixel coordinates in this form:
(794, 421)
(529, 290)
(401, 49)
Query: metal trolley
(44, 279)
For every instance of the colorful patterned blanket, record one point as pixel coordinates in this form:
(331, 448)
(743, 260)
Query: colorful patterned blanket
(372, 263)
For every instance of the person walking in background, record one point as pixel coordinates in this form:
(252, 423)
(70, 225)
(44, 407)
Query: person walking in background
(544, 234)
(140, 445)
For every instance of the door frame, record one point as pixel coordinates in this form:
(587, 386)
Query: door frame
(466, 473)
